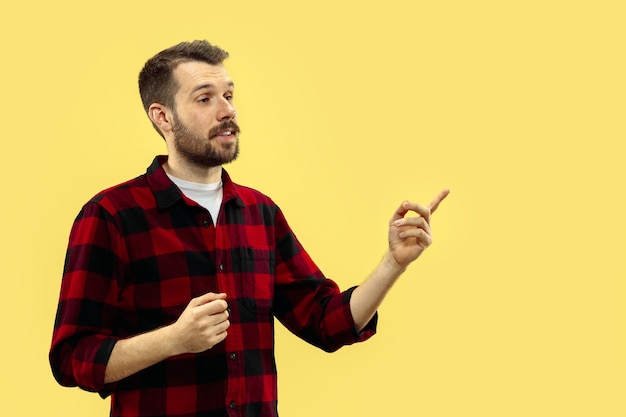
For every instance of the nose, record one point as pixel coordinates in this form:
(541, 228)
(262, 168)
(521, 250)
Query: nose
(227, 111)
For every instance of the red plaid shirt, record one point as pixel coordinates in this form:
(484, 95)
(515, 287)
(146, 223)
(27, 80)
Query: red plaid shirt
(140, 251)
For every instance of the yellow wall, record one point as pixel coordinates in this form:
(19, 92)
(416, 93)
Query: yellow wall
(346, 109)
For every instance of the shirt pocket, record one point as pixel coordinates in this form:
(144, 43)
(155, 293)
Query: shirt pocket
(257, 281)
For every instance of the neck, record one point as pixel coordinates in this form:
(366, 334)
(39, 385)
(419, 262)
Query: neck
(191, 172)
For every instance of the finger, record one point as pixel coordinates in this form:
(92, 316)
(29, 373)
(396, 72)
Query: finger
(400, 212)
(415, 221)
(223, 316)
(440, 197)
(420, 234)
(214, 307)
(218, 338)
(207, 298)
(423, 211)
(216, 318)
(221, 329)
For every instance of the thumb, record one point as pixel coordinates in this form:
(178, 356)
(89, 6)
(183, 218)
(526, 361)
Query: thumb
(207, 298)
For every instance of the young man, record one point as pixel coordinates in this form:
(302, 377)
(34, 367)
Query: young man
(172, 279)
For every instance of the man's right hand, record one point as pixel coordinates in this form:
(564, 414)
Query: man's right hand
(202, 324)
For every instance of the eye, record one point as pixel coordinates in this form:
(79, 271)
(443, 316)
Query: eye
(228, 97)
(203, 100)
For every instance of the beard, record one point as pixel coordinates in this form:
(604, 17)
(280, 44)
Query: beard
(203, 150)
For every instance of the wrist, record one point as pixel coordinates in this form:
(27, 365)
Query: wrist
(171, 343)
(389, 262)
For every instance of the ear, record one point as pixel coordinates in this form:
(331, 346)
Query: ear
(161, 117)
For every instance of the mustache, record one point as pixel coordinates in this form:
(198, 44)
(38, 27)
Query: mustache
(227, 125)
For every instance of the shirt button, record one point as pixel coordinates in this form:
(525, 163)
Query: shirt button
(232, 404)
(233, 356)
(221, 267)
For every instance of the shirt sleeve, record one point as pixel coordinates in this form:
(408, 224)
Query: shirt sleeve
(309, 304)
(82, 339)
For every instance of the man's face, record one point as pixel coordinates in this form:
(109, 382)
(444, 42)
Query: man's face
(204, 118)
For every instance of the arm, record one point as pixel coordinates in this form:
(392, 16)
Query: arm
(408, 238)
(201, 326)
(85, 349)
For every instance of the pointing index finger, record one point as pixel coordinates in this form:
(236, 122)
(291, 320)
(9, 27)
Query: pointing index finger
(437, 200)
(424, 211)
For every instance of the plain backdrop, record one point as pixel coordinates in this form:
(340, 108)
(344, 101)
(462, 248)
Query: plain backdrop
(347, 108)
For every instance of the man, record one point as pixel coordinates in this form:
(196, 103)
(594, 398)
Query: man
(172, 279)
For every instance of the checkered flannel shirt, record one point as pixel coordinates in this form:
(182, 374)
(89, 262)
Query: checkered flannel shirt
(140, 251)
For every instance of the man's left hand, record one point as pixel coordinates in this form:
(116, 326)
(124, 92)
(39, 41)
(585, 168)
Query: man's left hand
(410, 236)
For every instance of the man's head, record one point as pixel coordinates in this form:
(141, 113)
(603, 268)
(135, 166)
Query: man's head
(188, 94)
(157, 82)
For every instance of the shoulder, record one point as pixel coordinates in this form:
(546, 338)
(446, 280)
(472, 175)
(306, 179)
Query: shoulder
(129, 194)
(250, 196)
(247, 196)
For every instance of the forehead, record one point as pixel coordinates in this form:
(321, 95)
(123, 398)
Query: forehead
(192, 75)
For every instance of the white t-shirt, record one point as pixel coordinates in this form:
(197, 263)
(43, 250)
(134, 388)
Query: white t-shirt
(208, 196)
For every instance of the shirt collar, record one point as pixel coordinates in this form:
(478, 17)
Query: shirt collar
(167, 193)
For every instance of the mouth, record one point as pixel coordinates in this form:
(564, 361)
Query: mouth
(225, 131)
(227, 135)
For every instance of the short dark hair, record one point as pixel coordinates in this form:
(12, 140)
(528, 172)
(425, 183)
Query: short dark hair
(157, 83)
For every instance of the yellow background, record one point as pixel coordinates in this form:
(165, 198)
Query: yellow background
(347, 108)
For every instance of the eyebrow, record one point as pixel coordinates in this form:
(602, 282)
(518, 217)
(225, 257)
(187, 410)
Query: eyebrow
(210, 87)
